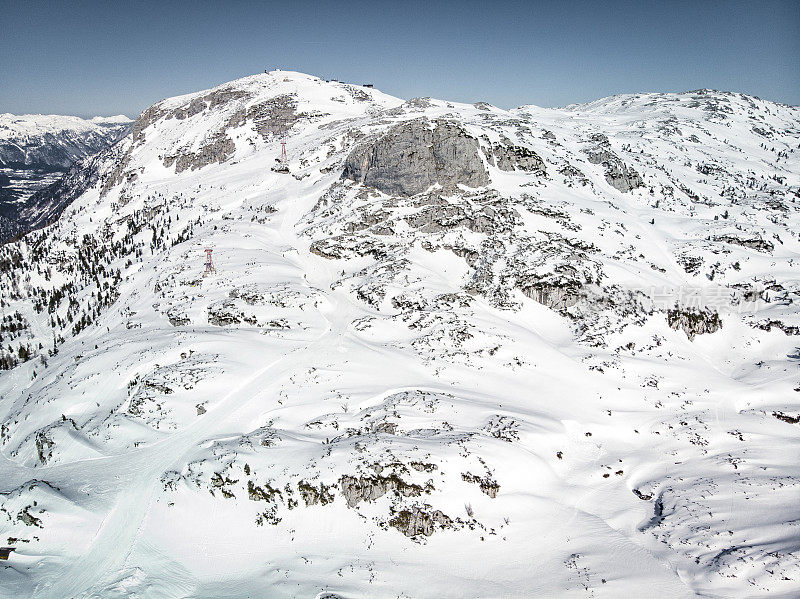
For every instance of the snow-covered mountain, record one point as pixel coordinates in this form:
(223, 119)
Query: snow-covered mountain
(49, 141)
(447, 350)
(36, 150)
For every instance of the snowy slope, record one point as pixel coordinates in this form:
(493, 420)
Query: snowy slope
(31, 125)
(455, 351)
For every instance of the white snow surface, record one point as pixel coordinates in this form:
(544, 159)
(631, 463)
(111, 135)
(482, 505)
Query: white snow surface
(181, 435)
(15, 127)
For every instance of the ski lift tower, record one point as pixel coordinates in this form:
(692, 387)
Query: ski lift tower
(283, 161)
(209, 262)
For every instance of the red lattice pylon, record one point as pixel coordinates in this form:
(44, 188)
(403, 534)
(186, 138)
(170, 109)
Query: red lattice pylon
(209, 262)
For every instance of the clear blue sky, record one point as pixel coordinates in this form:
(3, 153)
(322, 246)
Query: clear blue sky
(88, 58)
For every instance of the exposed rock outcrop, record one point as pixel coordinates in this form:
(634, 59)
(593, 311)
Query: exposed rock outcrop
(555, 295)
(211, 100)
(754, 243)
(442, 215)
(487, 484)
(512, 157)
(274, 117)
(370, 488)
(622, 177)
(147, 118)
(218, 149)
(262, 493)
(618, 174)
(44, 447)
(417, 521)
(694, 322)
(412, 156)
(313, 495)
(28, 519)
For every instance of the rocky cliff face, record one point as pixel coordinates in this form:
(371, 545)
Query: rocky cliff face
(412, 156)
(444, 329)
(618, 174)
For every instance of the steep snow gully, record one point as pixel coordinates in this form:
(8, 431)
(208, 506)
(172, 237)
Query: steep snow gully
(454, 351)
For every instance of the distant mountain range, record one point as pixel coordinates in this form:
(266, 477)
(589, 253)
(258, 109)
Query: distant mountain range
(38, 149)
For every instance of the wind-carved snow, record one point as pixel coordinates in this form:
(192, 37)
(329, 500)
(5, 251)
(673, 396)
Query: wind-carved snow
(525, 353)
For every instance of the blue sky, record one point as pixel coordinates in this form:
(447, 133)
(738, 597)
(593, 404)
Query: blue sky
(88, 58)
